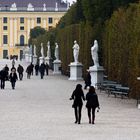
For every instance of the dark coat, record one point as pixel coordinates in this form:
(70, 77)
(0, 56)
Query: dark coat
(20, 69)
(92, 100)
(42, 68)
(88, 79)
(36, 67)
(29, 69)
(3, 75)
(13, 77)
(77, 96)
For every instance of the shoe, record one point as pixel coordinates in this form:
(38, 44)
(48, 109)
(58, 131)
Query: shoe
(76, 122)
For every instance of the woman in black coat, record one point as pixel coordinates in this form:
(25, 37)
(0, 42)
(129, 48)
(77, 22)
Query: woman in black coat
(13, 78)
(92, 103)
(87, 80)
(78, 96)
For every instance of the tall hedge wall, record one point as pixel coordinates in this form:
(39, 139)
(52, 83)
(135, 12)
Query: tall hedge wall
(121, 47)
(85, 35)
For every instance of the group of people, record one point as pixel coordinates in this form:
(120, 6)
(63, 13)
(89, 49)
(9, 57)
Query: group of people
(12, 76)
(91, 104)
(38, 68)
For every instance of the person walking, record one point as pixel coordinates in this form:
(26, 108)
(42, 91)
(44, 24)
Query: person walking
(92, 103)
(78, 97)
(20, 70)
(3, 76)
(29, 71)
(32, 68)
(42, 70)
(13, 78)
(47, 69)
(87, 80)
(7, 72)
(36, 69)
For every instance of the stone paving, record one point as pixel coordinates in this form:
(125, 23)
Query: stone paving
(41, 110)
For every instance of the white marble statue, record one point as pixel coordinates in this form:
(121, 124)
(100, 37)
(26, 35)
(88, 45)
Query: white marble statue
(56, 51)
(49, 50)
(14, 5)
(94, 53)
(34, 50)
(76, 51)
(42, 50)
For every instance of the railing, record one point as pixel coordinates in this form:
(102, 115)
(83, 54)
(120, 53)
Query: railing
(36, 9)
(21, 45)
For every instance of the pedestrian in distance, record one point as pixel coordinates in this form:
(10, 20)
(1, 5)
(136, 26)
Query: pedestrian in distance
(7, 72)
(78, 97)
(42, 70)
(20, 70)
(47, 69)
(29, 71)
(32, 68)
(92, 103)
(87, 80)
(36, 69)
(3, 76)
(13, 78)
(13, 62)
(13, 67)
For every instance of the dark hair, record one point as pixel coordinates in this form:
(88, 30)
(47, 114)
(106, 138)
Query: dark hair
(92, 89)
(78, 86)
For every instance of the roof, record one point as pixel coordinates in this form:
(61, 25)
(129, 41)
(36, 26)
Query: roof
(35, 3)
(6, 4)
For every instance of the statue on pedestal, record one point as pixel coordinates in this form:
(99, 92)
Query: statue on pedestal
(56, 51)
(94, 53)
(49, 50)
(76, 51)
(42, 50)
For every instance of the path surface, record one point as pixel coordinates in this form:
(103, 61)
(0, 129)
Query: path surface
(40, 110)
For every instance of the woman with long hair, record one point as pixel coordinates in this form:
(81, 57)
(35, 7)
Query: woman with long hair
(92, 103)
(78, 97)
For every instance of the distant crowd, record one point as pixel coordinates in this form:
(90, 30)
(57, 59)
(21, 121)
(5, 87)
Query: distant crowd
(7, 74)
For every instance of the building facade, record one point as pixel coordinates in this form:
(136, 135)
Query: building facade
(18, 17)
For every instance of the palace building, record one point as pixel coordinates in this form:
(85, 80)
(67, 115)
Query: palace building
(18, 17)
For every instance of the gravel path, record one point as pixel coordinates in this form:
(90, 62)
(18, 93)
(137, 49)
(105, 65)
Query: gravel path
(41, 110)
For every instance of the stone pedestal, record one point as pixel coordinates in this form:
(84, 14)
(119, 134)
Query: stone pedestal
(35, 59)
(27, 57)
(41, 60)
(76, 71)
(56, 67)
(30, 58)
(97, 74)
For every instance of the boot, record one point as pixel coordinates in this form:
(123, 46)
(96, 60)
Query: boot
(93, 119)
(89, 119)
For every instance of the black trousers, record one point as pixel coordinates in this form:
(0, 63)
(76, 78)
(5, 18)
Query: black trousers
(13, 85)
(91, 109)
(77, 111)
(20, 76)
(2, 84)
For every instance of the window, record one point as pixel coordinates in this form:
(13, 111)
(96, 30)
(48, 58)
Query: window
(5, 20)
(50, 20)
(4, 27)
(21, 27)
(38, 20)
(22, 20)
(22, 40)
(5, 39)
